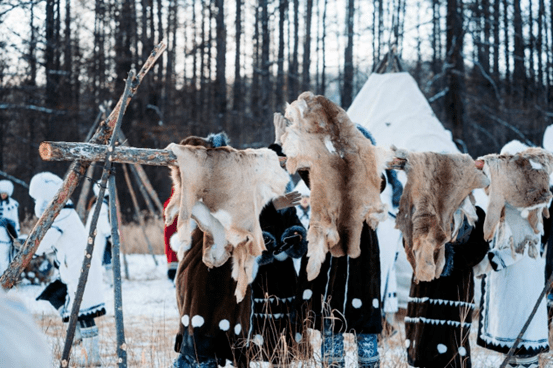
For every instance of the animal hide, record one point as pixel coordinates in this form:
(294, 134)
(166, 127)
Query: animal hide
(224, 191)
(344, 173)
(434, 203)
(521, 181)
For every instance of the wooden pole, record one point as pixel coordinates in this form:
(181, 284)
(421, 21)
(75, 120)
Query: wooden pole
(138, 213)
(145, 194)
(68, 151)
(73, 317)
(116, 259)
(71, 181)
(144, 178)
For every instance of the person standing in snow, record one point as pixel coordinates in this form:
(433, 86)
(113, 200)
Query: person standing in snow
(439, 312)
(510, 288)
(67, 239)
(275, 328)
(211, 322)
(345, 297)
(9, 207)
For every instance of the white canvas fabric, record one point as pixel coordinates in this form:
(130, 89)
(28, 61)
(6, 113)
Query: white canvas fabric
(392, 107)
(103, 228)
(513, 147)
(548, 138)
(23, 344)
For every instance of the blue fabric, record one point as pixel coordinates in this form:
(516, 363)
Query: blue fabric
(366, 133)
(185, 361)
(397, 187)
(218, 140)
(332, 349)
(367, 351)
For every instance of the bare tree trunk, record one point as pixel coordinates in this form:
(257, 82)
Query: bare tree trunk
(306, 77)
(32, 48)
(531, 47)
(506, 46)
(237, 88)
(347, 89)
(293, 75)
(435, 35)
(279, 91)
(519, 74)
(539, 45)
(455, 75)
(266, 85)
(323, 66)
(496, 40)
(221, 81)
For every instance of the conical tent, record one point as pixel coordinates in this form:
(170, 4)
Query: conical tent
(392, 107)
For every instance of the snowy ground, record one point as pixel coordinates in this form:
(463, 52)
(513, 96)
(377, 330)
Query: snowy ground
(151, 321)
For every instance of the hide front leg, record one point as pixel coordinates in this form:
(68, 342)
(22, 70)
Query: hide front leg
(440, 262)
(423, 251)
(216, 248)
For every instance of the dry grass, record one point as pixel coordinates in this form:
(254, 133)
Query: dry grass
(133, 237)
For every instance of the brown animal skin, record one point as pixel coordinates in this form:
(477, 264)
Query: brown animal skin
(437, 186)
(345, 174)
(522, 181)
(224, 191)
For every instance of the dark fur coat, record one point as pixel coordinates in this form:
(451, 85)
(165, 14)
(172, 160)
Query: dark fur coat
(439, 312)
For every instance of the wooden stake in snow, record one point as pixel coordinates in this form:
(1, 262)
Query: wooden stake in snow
(92, 231)
(116, 264)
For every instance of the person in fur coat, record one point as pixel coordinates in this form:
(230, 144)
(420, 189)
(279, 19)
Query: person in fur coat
(510, 288)
(213, 328)
(345, 297)
(439, 312)
(275, 329)
(67, 238)
(9, 207)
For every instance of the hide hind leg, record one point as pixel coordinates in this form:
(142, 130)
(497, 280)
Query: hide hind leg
(440, 262)
(423, 250)
(317, 250)
(242, 269)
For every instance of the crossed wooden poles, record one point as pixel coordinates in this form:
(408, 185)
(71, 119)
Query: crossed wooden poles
(106, 133)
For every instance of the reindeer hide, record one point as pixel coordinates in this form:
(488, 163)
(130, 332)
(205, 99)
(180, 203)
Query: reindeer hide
(521, 181)
(224, 191)
(435, 197)
(344, 173)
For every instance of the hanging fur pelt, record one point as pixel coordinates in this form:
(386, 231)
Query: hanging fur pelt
(344, 173)
(224, 191)
(521, 181)
(435, 197)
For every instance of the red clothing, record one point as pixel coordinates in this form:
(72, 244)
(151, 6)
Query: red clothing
(168, 232)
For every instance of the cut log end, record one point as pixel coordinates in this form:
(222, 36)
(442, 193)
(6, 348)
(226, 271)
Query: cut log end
(397, 163)
(45, 151)
(479, 164)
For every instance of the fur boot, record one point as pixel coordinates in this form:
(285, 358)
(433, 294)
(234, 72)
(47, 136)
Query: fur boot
(88, 354)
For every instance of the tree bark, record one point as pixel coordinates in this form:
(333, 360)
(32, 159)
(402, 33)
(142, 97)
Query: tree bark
(519, 74)
(347, 89)
(72, 151)
(221, 81)
(293, 75)
(455, 75)
(279, 91)
(306, 76)
(237, 87)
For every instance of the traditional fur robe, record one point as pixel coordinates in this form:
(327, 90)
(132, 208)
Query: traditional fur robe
(212, 323)
(345, 172)
(439, 312)
(276, 329)
(437, 186)
(347, 289)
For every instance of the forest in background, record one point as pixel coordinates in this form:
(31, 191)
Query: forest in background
(486, 67)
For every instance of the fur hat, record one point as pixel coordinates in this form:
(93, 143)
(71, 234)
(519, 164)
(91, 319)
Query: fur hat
(218, 140)
(6, 186)
(548, 138)
(44, 186)
(513, 147)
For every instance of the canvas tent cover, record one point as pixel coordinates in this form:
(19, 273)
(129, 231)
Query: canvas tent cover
(392, 107)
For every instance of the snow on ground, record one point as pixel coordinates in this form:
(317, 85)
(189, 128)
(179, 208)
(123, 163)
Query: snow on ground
(151, 320)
